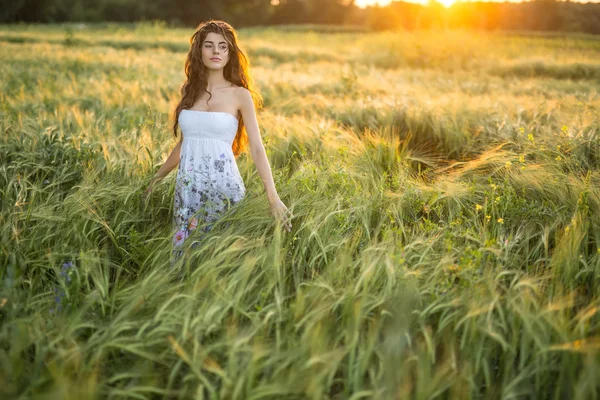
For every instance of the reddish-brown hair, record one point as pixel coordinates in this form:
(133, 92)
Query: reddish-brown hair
(237, 71)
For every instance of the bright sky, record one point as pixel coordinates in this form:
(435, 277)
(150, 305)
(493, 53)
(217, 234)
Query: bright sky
(364, 3)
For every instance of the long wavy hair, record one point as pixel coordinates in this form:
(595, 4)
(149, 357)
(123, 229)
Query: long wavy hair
(237, 71)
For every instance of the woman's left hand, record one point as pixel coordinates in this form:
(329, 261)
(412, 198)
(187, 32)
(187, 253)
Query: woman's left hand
(281, 212)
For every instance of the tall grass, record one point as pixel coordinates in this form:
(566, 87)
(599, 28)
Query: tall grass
(446, 230)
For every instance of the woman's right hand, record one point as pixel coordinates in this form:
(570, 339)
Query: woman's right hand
(281, 213)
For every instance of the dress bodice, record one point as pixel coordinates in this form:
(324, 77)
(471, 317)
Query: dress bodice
(215, 125)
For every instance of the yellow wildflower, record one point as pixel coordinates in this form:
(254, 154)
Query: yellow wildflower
(478, 207)
(453, 268)
(500, 220)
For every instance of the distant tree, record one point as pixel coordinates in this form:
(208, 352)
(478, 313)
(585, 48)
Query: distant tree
(248, 12)
(580, 17)
(545, 15)
(290, 12)
(354, 15)
(434, 15)
(406, 14)
(383, 18)
(192, 12)
(328, 11)
(26, 10)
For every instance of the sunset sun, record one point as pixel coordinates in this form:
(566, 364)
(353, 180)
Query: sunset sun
(365, 3)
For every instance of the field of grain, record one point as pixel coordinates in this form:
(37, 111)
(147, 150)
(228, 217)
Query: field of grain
(445, 188)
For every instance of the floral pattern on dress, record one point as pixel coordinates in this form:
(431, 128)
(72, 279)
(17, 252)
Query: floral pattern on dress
(206, 187)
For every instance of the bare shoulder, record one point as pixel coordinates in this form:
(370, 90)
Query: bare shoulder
(243, 96)
(241, 92)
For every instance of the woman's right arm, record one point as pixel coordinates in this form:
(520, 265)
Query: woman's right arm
(168, 166)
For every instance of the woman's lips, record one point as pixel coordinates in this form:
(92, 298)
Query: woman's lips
(215, 59)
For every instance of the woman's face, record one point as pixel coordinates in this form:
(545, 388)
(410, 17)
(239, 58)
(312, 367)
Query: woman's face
(215, 47)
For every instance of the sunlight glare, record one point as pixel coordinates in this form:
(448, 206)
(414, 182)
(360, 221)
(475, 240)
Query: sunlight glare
(365, 3)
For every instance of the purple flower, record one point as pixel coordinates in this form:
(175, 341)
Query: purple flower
(65, 276)
(58, 299)
(179, 237)
(66, 269)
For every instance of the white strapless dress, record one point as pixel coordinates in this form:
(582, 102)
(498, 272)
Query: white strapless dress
(208, 180)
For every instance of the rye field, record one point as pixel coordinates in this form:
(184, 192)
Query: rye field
(445, 188)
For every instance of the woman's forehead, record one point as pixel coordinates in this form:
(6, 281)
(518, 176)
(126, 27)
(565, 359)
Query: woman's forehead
(212, 36)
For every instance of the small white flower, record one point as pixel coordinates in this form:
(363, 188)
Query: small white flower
(183, 212)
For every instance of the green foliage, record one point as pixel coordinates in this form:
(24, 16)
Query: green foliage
(33, 160)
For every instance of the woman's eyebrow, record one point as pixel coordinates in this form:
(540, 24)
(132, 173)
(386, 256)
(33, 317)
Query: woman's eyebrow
(209, 41)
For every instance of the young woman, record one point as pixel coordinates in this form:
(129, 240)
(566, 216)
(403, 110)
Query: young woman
(217, 118)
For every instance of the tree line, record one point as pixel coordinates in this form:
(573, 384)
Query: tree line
(545, 15)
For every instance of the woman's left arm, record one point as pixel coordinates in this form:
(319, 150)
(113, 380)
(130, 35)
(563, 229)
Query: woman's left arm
(259, 155)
